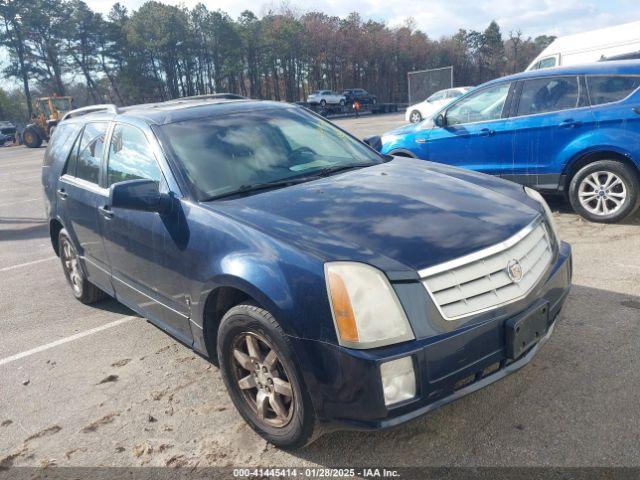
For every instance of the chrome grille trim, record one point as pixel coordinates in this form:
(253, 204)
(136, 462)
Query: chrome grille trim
(479, 282)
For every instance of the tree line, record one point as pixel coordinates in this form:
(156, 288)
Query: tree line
(159, 52)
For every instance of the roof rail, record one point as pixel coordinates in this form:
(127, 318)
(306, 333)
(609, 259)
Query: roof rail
(211, 96)
(107, 107)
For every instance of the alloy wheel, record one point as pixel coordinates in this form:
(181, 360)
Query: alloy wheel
(415, 117)
(602, 193)
(71, 265)
(262, 379)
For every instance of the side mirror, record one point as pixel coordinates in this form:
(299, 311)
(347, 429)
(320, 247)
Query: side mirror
(440, 120)
(374, 141)
(143, 195)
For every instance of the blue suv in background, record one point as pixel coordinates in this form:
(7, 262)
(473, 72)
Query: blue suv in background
(572, 130)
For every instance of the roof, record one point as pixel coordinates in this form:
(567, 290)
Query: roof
(599, 68)
(184, 109)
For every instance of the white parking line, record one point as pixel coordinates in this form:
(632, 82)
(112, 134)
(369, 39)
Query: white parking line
(62, 341)
(20, 265)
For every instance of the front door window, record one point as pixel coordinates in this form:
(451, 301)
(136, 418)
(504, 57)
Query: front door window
(481, 106)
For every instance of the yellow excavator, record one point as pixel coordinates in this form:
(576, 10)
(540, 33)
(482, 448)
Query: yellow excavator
(47, 113)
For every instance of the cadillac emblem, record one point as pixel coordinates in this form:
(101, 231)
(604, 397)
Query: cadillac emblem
(514, 270)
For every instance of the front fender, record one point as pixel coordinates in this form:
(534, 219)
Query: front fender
(287, 283)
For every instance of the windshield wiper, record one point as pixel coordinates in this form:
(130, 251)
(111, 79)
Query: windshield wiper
(340, 168)
(252, 187)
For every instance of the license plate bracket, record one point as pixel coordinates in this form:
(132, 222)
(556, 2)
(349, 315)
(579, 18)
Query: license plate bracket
(525, 330)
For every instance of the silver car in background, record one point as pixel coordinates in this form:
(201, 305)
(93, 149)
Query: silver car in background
(326, 97)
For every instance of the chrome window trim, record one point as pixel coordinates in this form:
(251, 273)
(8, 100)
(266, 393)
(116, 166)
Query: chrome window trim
(86, 184)
(476, 256)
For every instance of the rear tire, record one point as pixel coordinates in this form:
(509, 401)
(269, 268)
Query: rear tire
(31, 138)
(82, 289)
(257, 364)
(605, 191)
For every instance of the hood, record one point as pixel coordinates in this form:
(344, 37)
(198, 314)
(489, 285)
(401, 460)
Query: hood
(426, 124)
(399, 215)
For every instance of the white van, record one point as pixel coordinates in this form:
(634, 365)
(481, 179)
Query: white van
(611, 43)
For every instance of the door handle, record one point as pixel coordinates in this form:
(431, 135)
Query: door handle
(569, 123)
(636, 110)
(62, 194)
(486, 132)
(106, 212)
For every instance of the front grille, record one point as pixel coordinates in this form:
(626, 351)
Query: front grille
(480, 281)
(7, 131)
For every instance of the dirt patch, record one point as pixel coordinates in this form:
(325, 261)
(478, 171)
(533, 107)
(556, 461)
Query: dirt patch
(121, 363)
(43, 433)
(176, 461)
(6, 423)
(7, 462)
(108, 379)
(93, 426)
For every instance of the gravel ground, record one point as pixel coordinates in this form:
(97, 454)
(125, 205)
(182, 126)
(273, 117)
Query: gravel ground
(116, 391)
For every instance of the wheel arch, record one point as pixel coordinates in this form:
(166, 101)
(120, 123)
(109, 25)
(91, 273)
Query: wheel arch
(585, 158)
(218, 300)
(55, 226)
(402, 152)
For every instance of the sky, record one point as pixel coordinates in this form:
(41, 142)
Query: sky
(444, 17)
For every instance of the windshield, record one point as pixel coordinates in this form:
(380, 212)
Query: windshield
(61, 104)
(226, 154)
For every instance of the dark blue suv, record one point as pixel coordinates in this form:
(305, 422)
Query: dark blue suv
(572, 130)
(334, 285)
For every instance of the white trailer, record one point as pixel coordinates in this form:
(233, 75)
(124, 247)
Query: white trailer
(611, 43)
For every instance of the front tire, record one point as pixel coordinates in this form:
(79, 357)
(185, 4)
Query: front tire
(604, 191)
(31, 138)
(262, 378)
(323, 102)
(415, 116)
(82, 288)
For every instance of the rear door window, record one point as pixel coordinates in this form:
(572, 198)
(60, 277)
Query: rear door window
(90, 152)
(548, 94)
(61, 142)
(611, 88)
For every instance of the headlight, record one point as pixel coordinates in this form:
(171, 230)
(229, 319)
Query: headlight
(538, 198)
(366, 310)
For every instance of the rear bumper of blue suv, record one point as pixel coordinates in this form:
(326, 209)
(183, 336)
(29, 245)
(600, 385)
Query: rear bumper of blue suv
(347, 386)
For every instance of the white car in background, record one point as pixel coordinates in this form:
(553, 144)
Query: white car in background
(418, 112)
(326, 97)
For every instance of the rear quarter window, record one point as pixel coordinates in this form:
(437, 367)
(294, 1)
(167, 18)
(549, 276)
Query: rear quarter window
(611, 88)
(61, 142)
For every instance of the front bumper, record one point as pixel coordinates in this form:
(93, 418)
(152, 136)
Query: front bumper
(345, 384)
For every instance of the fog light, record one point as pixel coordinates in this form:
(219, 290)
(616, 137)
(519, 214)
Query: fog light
(398, 380)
